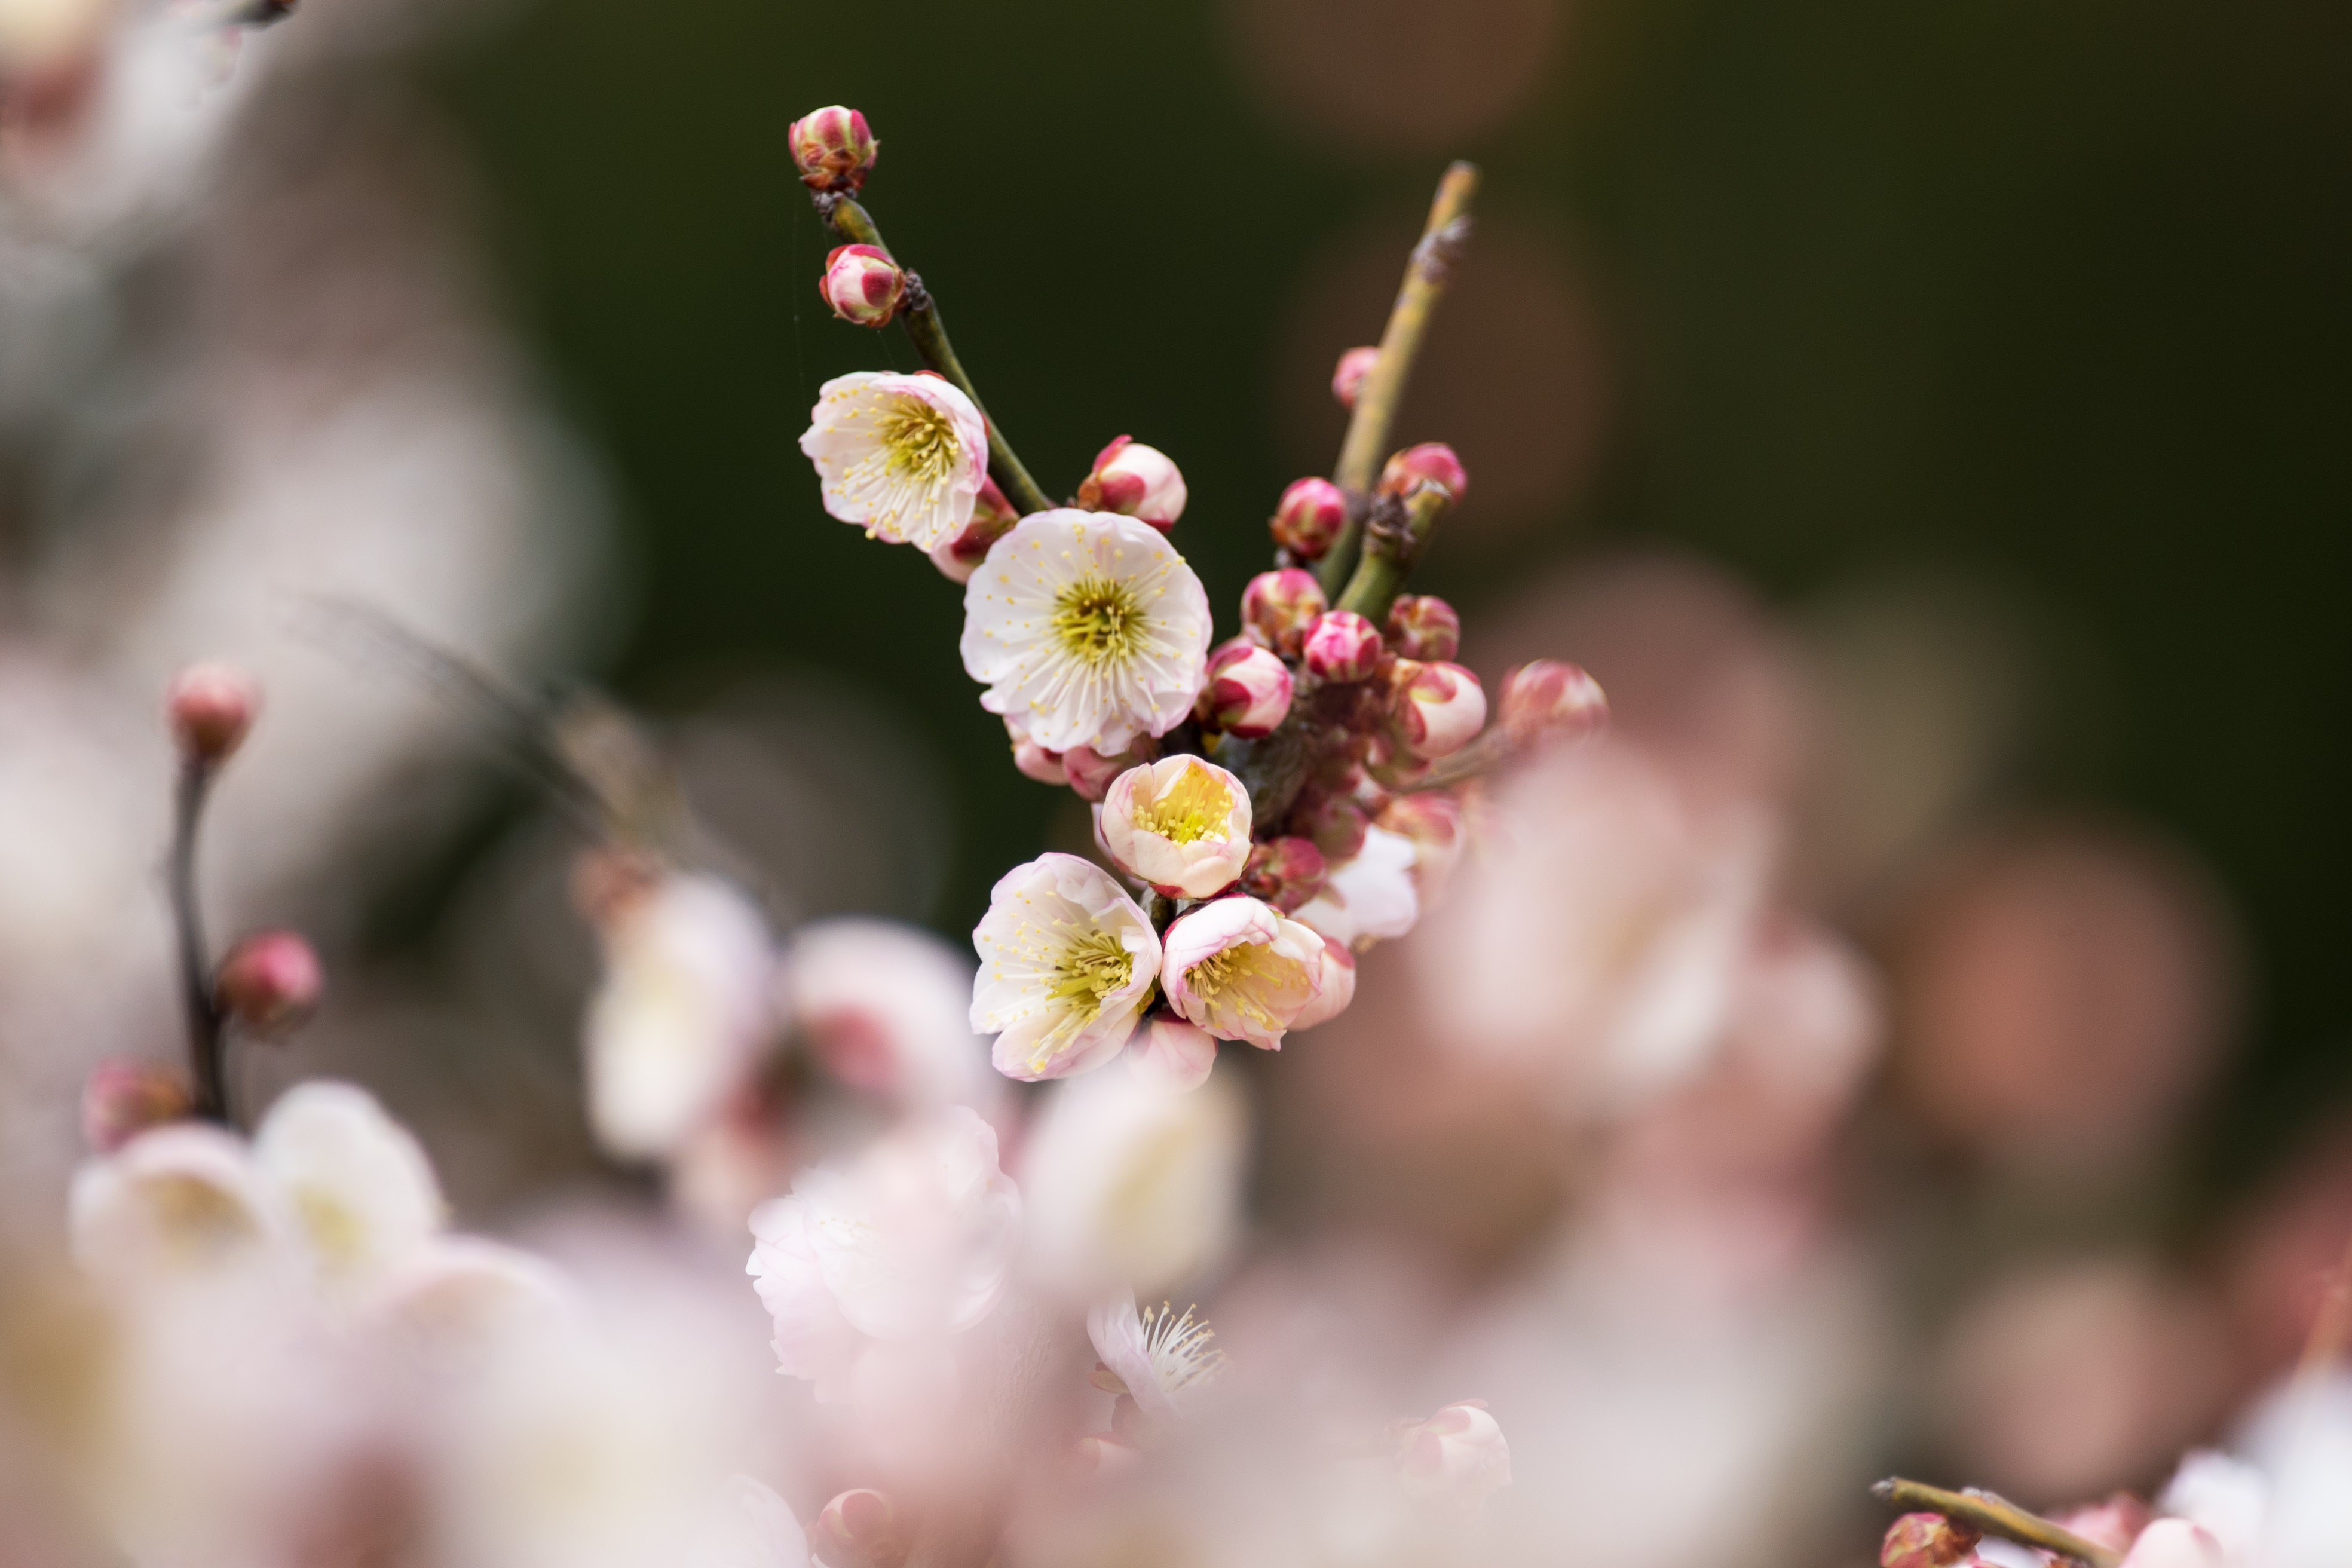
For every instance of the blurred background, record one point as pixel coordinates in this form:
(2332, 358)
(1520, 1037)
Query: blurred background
(1925, 424)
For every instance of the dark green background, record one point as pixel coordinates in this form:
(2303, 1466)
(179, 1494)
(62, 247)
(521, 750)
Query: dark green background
(2051, 290)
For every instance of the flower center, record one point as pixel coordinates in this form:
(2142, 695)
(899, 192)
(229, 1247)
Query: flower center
(920, 439)
(1098, 620)
(1092, 967)
(1197, 806)
(1180, 1349)
(1223, 969)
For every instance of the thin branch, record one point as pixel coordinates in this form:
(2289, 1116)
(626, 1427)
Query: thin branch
(1393, 541)
(920, 316)
(1994, 1516)
(204, 1016)
(2331, 1331)
(1443, 240)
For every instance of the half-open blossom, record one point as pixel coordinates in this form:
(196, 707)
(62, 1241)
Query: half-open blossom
(1549, 698)
(1423, 625)
(1249, 690)
(862, 284)
(959, 555)
(1309, 517)
(1458, 1456)
(682, 1015)
(1180, 824)
(360, 1191)
(885, 1008)
(1066, 962)
(1088, 627)
(900, 456)
(1435, 709)
(1337, 986)
(1286, 872)
(1340, 644)
(1278, 606)
(1170, 1053)
(1242, 970)
(1431, 463)
(907, 1244)
(1159, 1357)
(1431, 819)
(1370, 896)
(1135, 479)
(833, 148)
(1348, 377)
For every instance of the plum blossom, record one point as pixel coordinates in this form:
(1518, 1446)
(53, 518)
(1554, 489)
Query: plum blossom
(1067, 962)
(1242, 970)
(1158, 1357)
(750, 1528)
(1248, 692)
(885, 1008)
(1140, 481)
(901, 456)
(2175, 1543)
(1437, 708)
(1089, 628)
(1457, 1457)
(1179, 824)
(1336, 988)
(1172, 1055)
(682, 1016)
(865, 1267)
(1370, 896)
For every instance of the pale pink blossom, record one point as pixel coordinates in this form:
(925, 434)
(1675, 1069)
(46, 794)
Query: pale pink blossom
(1370, 896)
(1137, 480)
(1435, 709)
(1066, 960)
(1160, 1358)
(1181, 825)
(1248, 693)
(1338, 987)
(1242, 970)
(1089, 628)
(2175, 1543)
(1170, 1053)
(1090, 773)
(959, 555)
(1458, 1456)
(887, 1009)
(902, 456)
(1033, 760)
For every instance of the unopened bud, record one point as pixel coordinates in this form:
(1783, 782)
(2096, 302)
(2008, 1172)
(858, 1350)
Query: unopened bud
(1435, 709)
(1423, 625)
(862, 284)
(1340, 644)
(1926, 1541)
(1551, 698)
(1278, 607)
(993, 517)
(1309, 518)
(1248, 691)
(1091, 773)
(1431, 463)
(1337, 823)
(1139, 481)
(1348, 380)
(210, 708)
(1286, 872)
(1034, 760)
(269, 982)
(863, 1529)
(1388, 765)
(832, 148)
(1431, 819)
(124, 1099)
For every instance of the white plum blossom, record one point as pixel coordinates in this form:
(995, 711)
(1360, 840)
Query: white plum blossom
(1089, 628)
(1370, 896)
(1458, 1456)
(1336, 989)
(682, 1017)
(1179, 824)
(887, 1009)
(1242, 970)
(868, 1267)
(1066, 960)
(1158, 1357)
(901, 456)
(1170, 1053)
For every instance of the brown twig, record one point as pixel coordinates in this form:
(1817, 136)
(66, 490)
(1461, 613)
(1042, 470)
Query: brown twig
(204, 1015)
(1994, 1516)
(1443, 239)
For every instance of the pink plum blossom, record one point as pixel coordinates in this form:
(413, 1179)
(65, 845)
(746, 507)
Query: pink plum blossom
(1137, 480)
(1337, 986)
(1458, 1456)
(1240, 969)
(903, 457)
(1160, 1358)
(1066, 960)
(1181, 825)
(1249, 690)
(1436, 709)
(1169, 1053)
(1370, 896)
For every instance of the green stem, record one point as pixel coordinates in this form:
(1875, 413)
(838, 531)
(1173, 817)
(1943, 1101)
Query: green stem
(920, 316)
(1391, 547)
(1442, 238)
(1994, 1516)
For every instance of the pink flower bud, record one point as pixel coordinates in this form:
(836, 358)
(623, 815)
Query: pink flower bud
(1309, 518)
(210, 707)
(1285, 872)
(832, 148)
(1389, 765)
(1336, 823)
(1248, 693)
(1421, 625)
(1431, 463)
(1338, 987)
(1340, 644)
(1034, 760)
(1457, 1455)
(862, 284)
(124, 1099)
(1436, 709)
(1137, 480)
(1431, 819)
(863, 1529)
(1091, 773)
(1926, 1541)
(268, 984)
(2179, 1543)
(1278, 607)
(1348, 380)
(992, 517)
(1171, 1055)
(1549, 698)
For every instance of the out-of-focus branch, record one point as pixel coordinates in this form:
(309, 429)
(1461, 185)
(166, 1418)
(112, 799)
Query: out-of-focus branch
(204, 1014)
(1443, 240)
(920, 316)
(1994, 1516)
(2331, 1331)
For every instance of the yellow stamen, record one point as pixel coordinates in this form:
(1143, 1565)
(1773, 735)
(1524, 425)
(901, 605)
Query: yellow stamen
(921, 440)
(1097, 619)
(1197, 806)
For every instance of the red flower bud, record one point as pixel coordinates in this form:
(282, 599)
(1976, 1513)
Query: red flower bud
(1248, 692)
(270, 984)
(1435, 709)
(1139, 481)
(1926, 1541)
(124, 1099)
(1277, 606)
(1340, 644)
(1348, 379)
(1549, 698)
(862, 284)
(832, 148)
(1431, 463)
(210, 708)
(992, 517)
(1286, 872)
(1310, 516)
(1421, 625)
